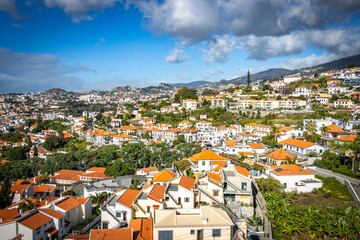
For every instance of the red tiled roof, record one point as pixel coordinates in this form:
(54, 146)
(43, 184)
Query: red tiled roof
(52, 213)
(68, 204)
(243, 171)
(110, 234)
(187, 183)
(297, 143)
(164, 176)
(290, 169)
(44, 188)
(142, 228)
(127, 199)
(157, 192)
(36, 220)
(280, 154)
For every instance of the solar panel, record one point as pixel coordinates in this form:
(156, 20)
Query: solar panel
(278, 170)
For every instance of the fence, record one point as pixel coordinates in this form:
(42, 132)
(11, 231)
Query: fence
(352, 192)
(90, 225)
(261, 207)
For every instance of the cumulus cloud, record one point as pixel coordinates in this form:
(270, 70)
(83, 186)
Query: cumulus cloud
(187, 20)
(10, 7)
(177, 55)
(17, 25)
(218, 48)
(27, 72)
(312, 60)
(212, 73)
(78, 9)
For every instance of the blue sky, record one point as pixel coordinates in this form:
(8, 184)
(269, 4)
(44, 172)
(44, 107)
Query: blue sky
(82, 45)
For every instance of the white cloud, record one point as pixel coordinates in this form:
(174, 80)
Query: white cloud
(36, 72)
(309, 61)
(219, 47)
(212, 73)
(102, 40)
(10, 7)
(177, 55)
(17, 25)
(78, 9)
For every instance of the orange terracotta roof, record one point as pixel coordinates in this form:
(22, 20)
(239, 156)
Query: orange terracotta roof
(334, 129)
(243, 171)
(285, 129)
(123, 135)
(82, 200)
(248, 135)
(256, 145)
(127, 199)
(164, 176)
(280, 154)
(187, 183)
(4, 161)
(95, 175)
(78, 236)
(52, 213)
(19, 188)
(68, 175)
(142, 228)
(68, 204)
(207, 155)
(44, 188)
(252, 124)
(190, 130)
(290, 169)
(96, 169)
(349, 138)
(8, 214)
(110, 234)
(230, 143)
(47, 201)
(297, 143)
(128, 128)
(214, 177)
(149, 169)
(157, 192)
(36, 220)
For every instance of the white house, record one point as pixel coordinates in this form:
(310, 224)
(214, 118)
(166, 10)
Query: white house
(190, 104)
(295, 178)
(302, 147)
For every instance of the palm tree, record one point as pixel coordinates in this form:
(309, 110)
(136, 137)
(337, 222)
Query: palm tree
(274, 131)
(353, 148)
(310, 127)
(323, 130)
(28, 205)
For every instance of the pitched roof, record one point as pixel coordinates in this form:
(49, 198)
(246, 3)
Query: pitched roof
(8, 213)
(280, 154)
(230, 143)
(68, 204)
(333, 128)
(187, 183)
(256, 145)
(110, 234)
(157, 192)
(44, 188)
(52, 213)
(164, 176)
(142, 228)
(297, 143)
(348, 138)
(68, 175)
(290, 169)
(149, 169)
(243, 171)
(19, 188)
(128, 197)
(96, 169)
(207, 155)
(36, 220)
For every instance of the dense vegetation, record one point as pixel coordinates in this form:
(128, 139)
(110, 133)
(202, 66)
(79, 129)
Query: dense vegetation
(185, 93)
(298, 221)
(11, 137)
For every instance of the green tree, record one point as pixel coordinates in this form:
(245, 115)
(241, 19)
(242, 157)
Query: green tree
(185, 93)
(136, 155)
(248, 79)
(69, 193)
(118, 169)
(269, 184)
(42, 179)
(54, 142)
(28, 205)
(16, 153)
(179, 139)
(188, 149)
(6, 197)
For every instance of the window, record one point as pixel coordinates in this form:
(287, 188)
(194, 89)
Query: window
(216, 232)
(244, 186)
(285, 185)
(192, 232)
(118, 214)
(165, 235)
(186, 199)
(166, 198)
(147, 209)
(203, 163)
(215, 193)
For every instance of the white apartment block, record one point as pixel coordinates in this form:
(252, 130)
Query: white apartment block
(190, 104)
(270, 104)
(218, 102)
